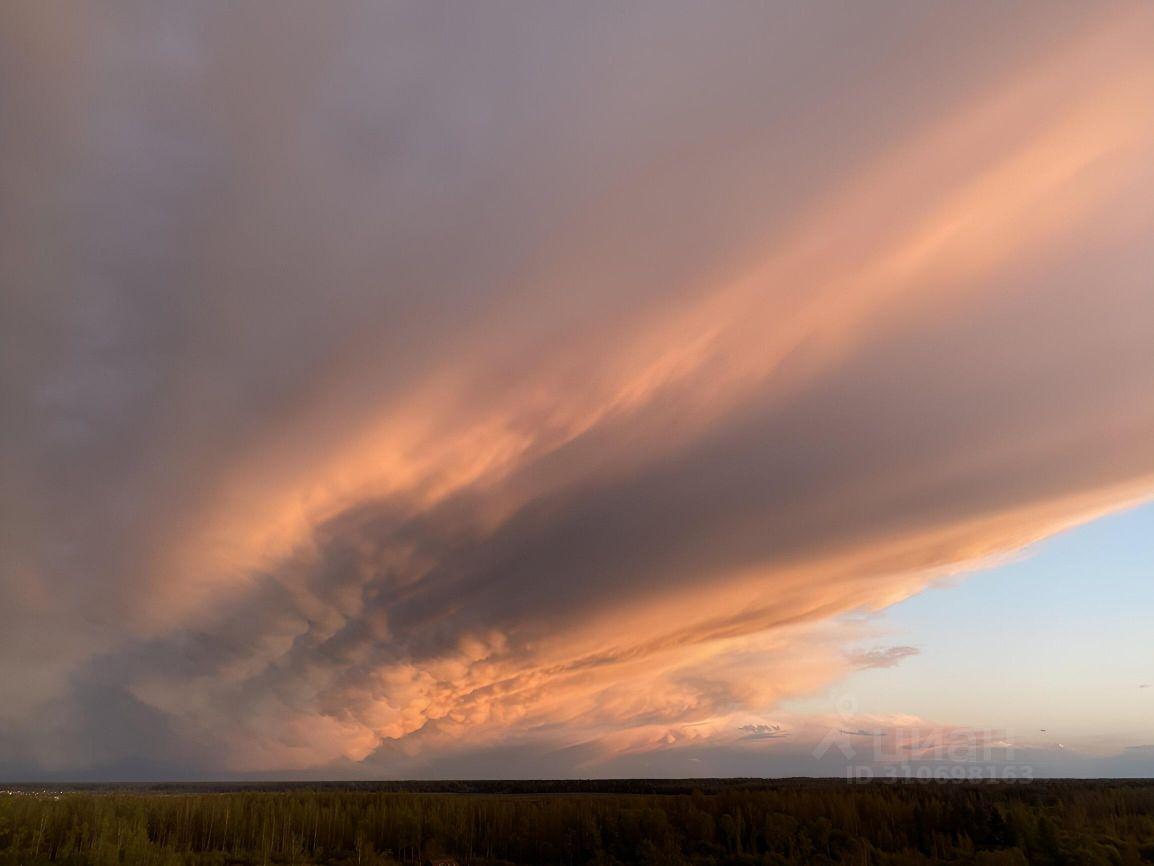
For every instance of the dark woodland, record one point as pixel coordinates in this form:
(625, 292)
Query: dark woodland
(695, 822)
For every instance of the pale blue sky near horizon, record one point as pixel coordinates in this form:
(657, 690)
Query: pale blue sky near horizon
(1060, 638)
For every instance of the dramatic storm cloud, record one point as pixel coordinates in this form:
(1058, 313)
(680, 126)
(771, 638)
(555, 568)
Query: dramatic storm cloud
(488, 389)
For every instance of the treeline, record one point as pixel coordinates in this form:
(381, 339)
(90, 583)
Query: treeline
(1050, 823)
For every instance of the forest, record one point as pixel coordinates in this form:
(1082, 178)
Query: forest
(688, 822)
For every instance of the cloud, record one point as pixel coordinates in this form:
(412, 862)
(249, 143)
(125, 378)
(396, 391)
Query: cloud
(887, 657)
(763, 731)
(393, 392)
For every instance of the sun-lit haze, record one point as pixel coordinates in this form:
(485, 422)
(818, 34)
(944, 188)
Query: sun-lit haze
(403, 390)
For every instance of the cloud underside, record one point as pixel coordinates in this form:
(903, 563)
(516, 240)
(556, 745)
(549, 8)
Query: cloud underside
(396, 393)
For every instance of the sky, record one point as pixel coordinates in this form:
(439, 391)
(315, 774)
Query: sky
(1054, 648)
(420, 390)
